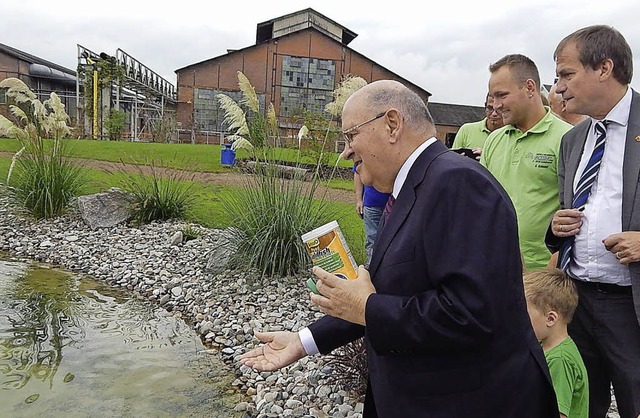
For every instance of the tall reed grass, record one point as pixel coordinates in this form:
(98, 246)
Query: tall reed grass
(270, 213)
(275, 207)
(44, 179)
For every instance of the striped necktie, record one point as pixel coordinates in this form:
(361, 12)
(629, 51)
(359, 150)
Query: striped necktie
(583, 188)
(386, 211)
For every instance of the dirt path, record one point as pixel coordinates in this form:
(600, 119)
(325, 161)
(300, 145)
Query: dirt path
(223, 179)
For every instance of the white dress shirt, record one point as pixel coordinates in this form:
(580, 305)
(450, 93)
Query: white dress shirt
(306, 337)
(590, 260)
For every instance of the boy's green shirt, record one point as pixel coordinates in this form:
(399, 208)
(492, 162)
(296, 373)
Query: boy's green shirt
(569, 378)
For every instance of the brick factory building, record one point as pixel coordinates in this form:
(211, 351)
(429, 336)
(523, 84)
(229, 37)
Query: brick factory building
(296, 63)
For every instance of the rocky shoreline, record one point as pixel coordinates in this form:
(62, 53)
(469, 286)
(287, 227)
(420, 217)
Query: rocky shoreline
(223, 308)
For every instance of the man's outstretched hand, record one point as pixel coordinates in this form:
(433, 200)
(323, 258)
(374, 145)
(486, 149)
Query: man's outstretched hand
(281, 349)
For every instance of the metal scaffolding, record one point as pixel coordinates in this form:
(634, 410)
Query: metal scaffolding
(144, 95)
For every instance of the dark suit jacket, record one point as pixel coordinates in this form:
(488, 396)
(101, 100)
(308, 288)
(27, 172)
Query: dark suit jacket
(447, 332)
(571, 149)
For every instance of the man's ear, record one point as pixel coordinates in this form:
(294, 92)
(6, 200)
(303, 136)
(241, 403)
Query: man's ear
(394, 124)
(552, 318)
(606, 69)
(531, 87)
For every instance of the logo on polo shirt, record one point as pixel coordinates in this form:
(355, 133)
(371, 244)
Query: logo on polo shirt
(541, 160)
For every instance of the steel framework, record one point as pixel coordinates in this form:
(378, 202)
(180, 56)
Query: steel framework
(142, 93)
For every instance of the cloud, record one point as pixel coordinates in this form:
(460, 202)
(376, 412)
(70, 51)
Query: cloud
(446, 50)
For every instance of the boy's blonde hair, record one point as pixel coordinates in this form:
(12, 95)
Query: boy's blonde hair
(551, 289)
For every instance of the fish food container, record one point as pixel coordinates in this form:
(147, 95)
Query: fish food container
(329, 250)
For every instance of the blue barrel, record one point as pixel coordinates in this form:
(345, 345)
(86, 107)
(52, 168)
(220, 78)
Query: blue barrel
(227, 155)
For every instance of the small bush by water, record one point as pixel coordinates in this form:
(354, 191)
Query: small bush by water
(44, 181)
(157, 194)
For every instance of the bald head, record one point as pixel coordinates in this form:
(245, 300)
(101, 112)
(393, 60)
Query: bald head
(555, 101)
(384, 123)
(559, 107)
(383, 95)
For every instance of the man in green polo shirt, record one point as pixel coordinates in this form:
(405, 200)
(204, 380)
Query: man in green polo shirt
(523, 155)
(474, 134)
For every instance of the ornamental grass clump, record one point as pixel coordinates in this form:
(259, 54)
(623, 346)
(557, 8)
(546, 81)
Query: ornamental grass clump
(156, 193)
(44, 180)
(276, 205)
(349, 368)
(269, 215)
(190, 232)
(251, 129)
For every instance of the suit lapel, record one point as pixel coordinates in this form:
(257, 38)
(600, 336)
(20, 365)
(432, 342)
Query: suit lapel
(404, 203)
(631, 166)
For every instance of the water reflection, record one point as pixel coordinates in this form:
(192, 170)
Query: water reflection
(76, 347)
(39, 323)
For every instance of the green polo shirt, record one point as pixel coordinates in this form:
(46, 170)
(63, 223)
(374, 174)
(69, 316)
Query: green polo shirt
(526, 164)
(471, 135)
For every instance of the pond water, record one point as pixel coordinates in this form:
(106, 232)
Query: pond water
(75, 347)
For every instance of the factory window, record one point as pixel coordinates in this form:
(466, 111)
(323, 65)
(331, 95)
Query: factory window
(207, 113)
(307, 83)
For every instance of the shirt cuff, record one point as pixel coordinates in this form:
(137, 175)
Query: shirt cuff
(308, 343)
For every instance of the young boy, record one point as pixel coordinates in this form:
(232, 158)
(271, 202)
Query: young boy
(551, 300)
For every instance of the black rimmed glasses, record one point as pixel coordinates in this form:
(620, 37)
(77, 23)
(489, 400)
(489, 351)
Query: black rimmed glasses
(349, 133)
(490, 109)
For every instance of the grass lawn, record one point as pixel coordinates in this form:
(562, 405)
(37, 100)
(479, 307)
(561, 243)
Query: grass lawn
(207, 210)
(192, 157)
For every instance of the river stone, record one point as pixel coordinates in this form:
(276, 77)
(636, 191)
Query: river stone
(242, 406)
(176, 238)
(218, 257)
(104, 210)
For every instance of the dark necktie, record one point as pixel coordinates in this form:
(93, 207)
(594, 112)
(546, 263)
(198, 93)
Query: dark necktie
(386, 211)
(583, 189)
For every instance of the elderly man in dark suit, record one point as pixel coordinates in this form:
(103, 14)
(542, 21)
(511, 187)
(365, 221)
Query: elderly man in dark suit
(442, 309)
(597, 229)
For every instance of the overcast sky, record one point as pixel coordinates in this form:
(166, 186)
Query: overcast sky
(445, 48)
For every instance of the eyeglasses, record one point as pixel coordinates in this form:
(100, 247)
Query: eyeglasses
(490, 110)
(349, 133)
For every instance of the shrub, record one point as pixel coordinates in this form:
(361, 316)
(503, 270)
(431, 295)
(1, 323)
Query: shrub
(45, 182)
(164, 129)
(156, 193)
(115, 123)
(319, 140)
(190, 232)
(44, 179)
(251, 129)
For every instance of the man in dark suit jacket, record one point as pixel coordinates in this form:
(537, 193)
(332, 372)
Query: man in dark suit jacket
(601, 238)
(442, 309)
